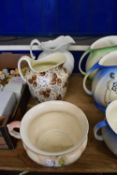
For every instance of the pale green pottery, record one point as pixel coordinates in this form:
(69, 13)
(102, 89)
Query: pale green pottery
(96, 51)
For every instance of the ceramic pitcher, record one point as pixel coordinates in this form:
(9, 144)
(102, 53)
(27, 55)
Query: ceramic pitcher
(60, 44)
(47, 78)
(53, 133)
(104, 84)
(96, 51)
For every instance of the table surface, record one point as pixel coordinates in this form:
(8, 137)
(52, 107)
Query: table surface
(96, 158)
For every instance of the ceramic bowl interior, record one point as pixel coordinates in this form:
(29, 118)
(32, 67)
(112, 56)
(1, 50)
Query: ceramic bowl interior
(55, 127)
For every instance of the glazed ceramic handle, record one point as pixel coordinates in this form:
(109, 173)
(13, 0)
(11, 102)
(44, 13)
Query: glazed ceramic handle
(95, 66)
(97, 127)
(33, 42)
(26, 59)
(81, 61)
(11, 126)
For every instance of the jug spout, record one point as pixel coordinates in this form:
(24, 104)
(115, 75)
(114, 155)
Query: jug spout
(42, 65)
(60, 43)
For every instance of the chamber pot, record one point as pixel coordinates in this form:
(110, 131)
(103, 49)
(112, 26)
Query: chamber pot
(104, 84)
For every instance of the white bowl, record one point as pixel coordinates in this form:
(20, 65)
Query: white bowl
(54, 133)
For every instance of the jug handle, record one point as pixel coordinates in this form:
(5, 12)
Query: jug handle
(97, 127)
(33, 42)
(11, 126)
(81, 60)
(95, 66)
(28, 60)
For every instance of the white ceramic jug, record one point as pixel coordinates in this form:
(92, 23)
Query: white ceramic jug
(60, 44)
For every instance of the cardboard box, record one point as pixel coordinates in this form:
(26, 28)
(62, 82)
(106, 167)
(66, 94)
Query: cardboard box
(10, 60)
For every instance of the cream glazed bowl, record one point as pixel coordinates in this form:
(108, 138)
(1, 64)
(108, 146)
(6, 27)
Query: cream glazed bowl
(54, 133)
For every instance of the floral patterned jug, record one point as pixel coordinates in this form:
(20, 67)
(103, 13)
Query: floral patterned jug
(47, 78)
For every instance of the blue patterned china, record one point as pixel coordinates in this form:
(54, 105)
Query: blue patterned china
(104, 84)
